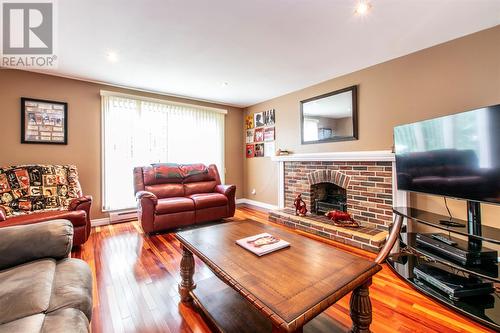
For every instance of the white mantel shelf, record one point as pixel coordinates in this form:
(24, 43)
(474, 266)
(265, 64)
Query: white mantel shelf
(361, 156)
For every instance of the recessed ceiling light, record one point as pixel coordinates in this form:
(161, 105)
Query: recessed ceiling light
(112, 56)
(362, 8)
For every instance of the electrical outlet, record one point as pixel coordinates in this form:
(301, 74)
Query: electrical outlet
(254, 191)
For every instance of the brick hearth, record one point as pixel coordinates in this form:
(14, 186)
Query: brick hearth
(365, 237)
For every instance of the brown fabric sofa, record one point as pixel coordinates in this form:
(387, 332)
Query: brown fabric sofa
(38, 193)
(41, 289)
(174, 200)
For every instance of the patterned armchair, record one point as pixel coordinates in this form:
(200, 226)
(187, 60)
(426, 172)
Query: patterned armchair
(38, 193)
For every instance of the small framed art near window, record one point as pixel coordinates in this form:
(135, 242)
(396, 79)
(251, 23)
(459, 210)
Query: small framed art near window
(44, 121)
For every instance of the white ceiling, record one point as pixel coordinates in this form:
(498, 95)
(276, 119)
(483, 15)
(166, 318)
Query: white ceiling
(261, 48)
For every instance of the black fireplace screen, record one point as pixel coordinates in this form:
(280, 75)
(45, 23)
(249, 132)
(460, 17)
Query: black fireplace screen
(326, 197)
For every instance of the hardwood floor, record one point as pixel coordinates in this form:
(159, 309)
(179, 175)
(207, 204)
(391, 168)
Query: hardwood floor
(135, 288)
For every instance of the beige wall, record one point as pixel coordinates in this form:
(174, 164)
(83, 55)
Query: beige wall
(84, 128)
(452, 77)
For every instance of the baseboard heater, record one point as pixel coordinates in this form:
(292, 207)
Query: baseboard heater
(123, 216)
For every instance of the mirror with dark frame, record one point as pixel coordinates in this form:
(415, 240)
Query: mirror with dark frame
(330, 117)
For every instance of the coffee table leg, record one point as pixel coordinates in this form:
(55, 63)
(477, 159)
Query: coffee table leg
(187, 272)
(361, 309)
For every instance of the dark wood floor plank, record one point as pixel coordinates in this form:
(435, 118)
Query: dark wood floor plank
(135, 288)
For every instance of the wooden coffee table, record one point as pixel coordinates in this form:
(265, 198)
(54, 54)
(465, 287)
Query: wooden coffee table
(281, 291)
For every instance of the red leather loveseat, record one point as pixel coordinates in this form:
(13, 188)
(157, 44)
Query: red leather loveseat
(174, 195)
(38, 193)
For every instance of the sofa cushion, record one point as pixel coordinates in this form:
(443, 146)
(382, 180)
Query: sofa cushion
(25, 289)
(200, 187)
(208, 200)
(26, 325)
(174, 205)
(72, 287)
(65, 320)
(166, 190)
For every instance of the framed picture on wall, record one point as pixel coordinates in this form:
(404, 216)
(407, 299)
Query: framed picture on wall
(269, 149)
(44, 121)
(249, 137)
(269, 134)
(259, 150)
(259, 135)
(250, 150)
(249, 122)
(258, 119)
(269, 117)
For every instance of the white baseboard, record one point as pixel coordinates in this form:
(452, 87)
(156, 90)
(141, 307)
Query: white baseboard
(256, 203)
(99, 222)
(105, 220)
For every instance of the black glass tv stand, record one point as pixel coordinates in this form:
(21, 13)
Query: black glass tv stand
(451, 223)
(407, 254)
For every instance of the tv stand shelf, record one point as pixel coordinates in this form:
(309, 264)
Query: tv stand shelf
(485, 310)
(491, 272)
(489, 234)
(406, 255)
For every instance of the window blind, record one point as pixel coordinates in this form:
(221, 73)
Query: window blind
(138, 132)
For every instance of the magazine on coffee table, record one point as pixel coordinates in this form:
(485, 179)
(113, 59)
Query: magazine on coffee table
(262, 244)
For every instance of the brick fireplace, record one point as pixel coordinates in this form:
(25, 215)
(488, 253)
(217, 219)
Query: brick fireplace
(361, 183)
(368, 187)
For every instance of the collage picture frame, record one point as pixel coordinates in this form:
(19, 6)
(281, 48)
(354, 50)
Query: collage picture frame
(260, 134)
(44, 121)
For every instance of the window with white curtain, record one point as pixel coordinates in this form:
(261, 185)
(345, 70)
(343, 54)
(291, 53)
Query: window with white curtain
(139, 132)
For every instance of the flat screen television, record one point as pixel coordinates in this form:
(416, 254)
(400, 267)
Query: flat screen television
(455, 156)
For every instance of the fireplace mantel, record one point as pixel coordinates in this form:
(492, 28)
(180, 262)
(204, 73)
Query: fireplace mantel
(353, 156)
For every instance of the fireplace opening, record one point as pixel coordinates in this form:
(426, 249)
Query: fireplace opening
(326, 197)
